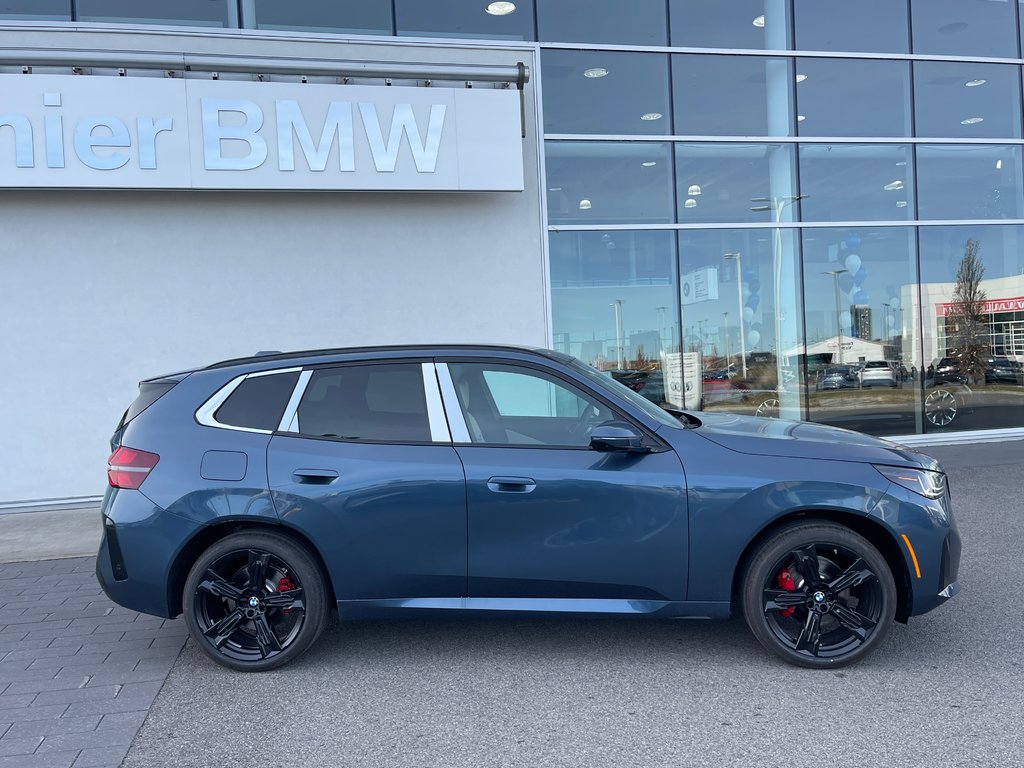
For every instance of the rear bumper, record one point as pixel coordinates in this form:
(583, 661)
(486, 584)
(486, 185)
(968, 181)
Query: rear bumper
(139, 545)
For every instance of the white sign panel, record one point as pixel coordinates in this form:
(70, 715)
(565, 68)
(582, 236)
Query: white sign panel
(683, 378)
(66, 131)
(700, 285)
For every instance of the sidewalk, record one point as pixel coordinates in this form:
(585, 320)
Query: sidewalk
(26, 536)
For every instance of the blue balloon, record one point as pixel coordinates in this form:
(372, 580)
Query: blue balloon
(749, 274)
(845, 283)
(852, 240)
(754, 285)
(860, 276)
(753, 300)
(756, 327)
(861, 297)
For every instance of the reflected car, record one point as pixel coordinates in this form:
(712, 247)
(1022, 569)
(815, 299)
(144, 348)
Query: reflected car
(837, 378)
(1002, 370)
(257, 496)
(876, 373)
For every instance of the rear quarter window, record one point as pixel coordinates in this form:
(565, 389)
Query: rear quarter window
(258, 402)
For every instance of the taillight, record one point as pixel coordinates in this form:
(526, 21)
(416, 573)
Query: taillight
(128, 468)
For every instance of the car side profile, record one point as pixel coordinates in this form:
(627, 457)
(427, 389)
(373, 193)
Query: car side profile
(256, 495)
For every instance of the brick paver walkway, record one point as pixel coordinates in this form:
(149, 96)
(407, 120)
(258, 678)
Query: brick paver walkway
(77, 672)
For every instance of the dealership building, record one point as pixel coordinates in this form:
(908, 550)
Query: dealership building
(756, 206)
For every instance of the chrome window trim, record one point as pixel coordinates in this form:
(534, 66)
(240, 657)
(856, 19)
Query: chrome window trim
(290, 417)
(205, 413)
(435, 407)
(456, 420)
(818, 139)
(786, 225)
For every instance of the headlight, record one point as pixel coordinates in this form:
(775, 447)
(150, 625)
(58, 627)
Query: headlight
(923, 481)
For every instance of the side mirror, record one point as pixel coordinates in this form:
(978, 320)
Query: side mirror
(617, 437)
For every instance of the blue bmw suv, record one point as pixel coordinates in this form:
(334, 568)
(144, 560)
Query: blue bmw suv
(257, 494)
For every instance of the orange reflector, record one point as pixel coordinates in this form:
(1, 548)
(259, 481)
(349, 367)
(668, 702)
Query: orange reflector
(913, 555)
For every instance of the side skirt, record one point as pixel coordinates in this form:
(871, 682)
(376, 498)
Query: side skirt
(419, 606)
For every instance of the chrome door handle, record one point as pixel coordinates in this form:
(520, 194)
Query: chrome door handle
(511, 484)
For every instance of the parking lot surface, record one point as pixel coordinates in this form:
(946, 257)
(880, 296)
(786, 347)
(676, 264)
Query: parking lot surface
(79, 675)
(947, 690)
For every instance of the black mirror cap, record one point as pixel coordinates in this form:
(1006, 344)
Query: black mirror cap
(617, 436)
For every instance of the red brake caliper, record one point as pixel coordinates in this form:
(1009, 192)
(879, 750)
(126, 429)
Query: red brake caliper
(786, 582)
(283, 586)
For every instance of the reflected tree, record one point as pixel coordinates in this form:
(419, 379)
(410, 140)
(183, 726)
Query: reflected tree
(966, 322)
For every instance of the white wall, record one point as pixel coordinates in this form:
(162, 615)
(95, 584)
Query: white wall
(102, 289)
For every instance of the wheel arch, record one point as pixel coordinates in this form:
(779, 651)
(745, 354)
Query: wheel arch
(209, 535)
(875, 532)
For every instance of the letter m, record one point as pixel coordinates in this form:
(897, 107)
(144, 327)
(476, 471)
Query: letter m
(290, 122)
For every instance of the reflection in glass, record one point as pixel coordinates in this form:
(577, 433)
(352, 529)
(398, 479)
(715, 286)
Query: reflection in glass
(368, 17)
(734, 182)
(853, 97)
(860, 288)
(614, 303)
(961, 181)
(203, 13)
(731, 95)
(465, 18)
(856, 182)
(608, 182)
(964, 27)
(973, 350)
(740, 303)
(967, 100)
(580, 86)
(639, 22)
(841, 25)
(47, 10)
(736, 24)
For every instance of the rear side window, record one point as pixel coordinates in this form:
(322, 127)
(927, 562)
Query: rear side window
(379, 403)
(258, 402)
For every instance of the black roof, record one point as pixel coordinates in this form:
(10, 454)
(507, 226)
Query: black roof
(265, 357)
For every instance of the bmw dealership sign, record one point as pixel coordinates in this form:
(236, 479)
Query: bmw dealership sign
(68, 131)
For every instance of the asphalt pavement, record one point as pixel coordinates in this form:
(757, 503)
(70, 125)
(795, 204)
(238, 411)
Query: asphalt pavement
(947, 690)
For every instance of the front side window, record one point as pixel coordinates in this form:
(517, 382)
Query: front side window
(377, 403)
(511, 405)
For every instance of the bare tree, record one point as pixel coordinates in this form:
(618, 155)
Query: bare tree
(966, 322)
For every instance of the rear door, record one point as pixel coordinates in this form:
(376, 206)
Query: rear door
(363, 464)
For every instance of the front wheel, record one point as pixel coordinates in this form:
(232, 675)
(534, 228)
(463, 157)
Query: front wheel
(254, 601)
(818, 595)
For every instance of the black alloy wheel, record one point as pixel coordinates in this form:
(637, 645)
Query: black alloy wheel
(818, 595)
(254, 601)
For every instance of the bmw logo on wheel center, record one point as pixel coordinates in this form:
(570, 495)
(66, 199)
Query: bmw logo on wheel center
(545, 460)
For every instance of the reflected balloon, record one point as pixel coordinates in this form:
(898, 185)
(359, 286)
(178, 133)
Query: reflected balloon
(748, 315)
(754, 300)
(845, 283)
(860, 276)
(853, 262)
(753, 338)
(861, 297)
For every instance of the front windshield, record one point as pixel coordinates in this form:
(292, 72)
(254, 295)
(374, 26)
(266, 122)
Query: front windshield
(605, 381)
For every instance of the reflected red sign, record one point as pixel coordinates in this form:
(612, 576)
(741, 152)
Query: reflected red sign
(991, 307)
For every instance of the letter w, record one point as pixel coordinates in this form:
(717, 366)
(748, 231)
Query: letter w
(403, 120)
(338, 122)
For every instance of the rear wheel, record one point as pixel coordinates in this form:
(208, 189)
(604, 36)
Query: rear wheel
(818, 595)
(254, 601)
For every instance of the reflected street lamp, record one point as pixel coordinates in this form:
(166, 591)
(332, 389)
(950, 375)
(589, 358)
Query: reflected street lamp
(618, 331)
(839, 327)
(725, 316)
(739, 298)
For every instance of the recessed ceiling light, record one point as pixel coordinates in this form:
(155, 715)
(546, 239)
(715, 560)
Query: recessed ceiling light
(554, 189)
(901, 162)
(500, 8)
(585, 204)
(800, 118)
(694, 190)
(690, 203)
(972, 121)
(800, 78)
(901, 203)
(758, 21)
(999, 164)
(651, 116)
(595, 72)
(892, 186)
(976, 83)
(649, 163)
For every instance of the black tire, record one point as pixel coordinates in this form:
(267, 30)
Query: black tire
(255, 600)
(818, 595)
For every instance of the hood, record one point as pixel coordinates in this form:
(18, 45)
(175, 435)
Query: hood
(804, 440)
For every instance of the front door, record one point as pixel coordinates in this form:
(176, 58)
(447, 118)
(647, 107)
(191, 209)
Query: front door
(550, 517)
(366, 469)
